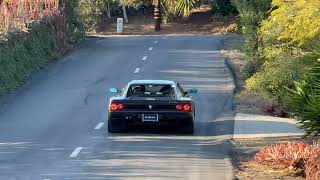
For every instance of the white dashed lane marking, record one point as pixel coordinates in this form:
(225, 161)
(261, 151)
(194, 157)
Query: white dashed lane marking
(76, 152)
(150, 48)
(136, 70)
(144, 58)
(99, 125)
(155, 42)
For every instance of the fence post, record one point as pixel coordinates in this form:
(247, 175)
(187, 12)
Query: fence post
(119, 25)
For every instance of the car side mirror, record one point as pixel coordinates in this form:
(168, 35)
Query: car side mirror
(114, 90)
(193, 91)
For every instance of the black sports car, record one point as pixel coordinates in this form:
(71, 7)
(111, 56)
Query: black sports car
(151, 103)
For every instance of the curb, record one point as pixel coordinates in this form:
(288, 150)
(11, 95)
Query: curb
(231, 78)
(233, 75)
(273, 135)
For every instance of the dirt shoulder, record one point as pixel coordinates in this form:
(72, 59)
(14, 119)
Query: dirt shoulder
(246, 103)
(201, 22)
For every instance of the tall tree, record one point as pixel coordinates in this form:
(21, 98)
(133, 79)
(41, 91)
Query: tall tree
(125, 16)
(108, 9)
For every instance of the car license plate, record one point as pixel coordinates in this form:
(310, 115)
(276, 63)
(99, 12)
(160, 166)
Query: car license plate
(150, 118)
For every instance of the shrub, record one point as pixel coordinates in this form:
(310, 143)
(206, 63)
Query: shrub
(14, 14)
(303, 102)
(312, 169)
(23, 53)
(289, 40)
(274, 76)
(75, 25)
(252, 13)
(285, 154)
(233, 28)
(292, 23)
(296, 155)
(224, 8)
(32, 33)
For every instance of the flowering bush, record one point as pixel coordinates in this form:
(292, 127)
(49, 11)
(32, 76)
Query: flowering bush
(32, 32)
(16, 13)
(286, 154)
(297, 155)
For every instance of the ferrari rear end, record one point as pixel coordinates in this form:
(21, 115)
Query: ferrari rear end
(150, 113)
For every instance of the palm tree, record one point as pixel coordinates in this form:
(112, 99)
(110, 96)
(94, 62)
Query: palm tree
(179, 7)
(304, 101)
(184, 7)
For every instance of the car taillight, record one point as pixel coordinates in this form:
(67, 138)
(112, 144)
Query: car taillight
(116, 107)
(120, 106)
(183, 107)
(186, 107)
(179, 107)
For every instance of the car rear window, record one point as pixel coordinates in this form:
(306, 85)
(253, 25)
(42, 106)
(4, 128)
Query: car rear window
(150, 90)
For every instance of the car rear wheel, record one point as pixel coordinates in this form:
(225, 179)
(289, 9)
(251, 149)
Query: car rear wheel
(187, 129)
(116, 127)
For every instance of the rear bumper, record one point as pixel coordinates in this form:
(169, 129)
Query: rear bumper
(164, 118)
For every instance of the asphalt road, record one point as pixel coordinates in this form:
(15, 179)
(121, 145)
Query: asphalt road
(53, 128)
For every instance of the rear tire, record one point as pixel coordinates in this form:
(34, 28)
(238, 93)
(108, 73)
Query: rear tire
(116, 127)
(187, 129)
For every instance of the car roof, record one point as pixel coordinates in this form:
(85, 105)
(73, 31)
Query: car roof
(152, 82)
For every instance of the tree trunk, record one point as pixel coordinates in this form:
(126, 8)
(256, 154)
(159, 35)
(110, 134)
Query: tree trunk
(95, 13)
(108, 10)
(124, 11)
(280, 108)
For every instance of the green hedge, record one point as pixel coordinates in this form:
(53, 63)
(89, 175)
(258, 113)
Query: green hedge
(252, 13)
(76, 28)
(24, 53)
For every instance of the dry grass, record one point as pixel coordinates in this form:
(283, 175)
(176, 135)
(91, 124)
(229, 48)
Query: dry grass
(251, 170)
(316, 143)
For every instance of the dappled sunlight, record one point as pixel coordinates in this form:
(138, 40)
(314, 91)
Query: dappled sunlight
(254, 117)
(215, 53)
(207, 88)
(202, 69)
(250, 125)
(2, 144)
(182, 72)
(148, 156)
(153, 137)
(18, 158)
